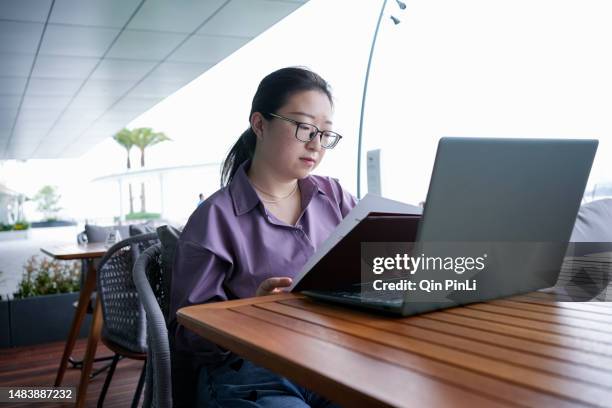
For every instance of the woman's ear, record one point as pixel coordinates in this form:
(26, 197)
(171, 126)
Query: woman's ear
(257, 124)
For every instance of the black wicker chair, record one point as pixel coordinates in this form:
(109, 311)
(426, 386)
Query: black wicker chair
(153, 285)
(124, 328)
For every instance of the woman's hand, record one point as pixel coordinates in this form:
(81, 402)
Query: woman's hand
(272, 286)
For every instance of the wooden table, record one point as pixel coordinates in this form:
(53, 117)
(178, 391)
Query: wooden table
(527, 350)
(88, 251)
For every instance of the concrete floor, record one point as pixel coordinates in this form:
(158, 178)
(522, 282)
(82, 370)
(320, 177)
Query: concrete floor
(13, 254)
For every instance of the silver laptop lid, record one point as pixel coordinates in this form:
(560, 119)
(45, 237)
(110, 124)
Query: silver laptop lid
(485, 189)
(513, 200)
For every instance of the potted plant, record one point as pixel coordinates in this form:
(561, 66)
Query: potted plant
(45, 295)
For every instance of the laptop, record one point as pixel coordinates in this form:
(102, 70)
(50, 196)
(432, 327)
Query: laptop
(511, 203)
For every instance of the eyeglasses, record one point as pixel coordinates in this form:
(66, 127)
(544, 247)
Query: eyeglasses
(305, 132)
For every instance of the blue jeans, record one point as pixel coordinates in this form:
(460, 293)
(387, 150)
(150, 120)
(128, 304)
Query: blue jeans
(239, 383)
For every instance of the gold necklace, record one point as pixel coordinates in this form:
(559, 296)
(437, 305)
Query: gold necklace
(278, 199)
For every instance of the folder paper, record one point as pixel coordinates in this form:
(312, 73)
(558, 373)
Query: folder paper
(336, 263)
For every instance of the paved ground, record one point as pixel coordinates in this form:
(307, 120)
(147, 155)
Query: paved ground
(13, 254)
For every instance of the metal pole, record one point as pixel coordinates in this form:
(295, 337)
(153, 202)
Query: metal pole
(365, 91)
(161, 194)
(121, 212)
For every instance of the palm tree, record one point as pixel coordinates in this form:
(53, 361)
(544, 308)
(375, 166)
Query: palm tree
(124, 138)
(143, 138)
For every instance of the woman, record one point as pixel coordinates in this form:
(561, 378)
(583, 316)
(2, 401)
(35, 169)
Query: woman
(254, 234)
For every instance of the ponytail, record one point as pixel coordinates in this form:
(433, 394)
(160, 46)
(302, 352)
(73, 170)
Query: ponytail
(243, 150)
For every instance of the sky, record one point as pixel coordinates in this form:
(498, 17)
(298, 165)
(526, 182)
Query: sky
(537, 68)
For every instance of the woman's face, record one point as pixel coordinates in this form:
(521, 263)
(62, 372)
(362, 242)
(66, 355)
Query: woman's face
(288, 157)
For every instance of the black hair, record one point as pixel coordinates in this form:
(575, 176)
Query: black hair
(272, 93)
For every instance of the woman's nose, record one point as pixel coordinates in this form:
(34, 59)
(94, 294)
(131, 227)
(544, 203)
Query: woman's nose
(315, 142)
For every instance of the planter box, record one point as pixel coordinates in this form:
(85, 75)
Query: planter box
(5, 324)
(13, 235)
(44, 319)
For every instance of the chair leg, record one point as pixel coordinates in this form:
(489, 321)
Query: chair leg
(79, 363)
(107, 381)
(100, 370)
(136, 399)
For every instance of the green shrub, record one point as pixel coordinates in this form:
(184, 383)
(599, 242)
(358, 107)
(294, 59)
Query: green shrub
(18, 226)
(142, 216)
(21, 225)
(48, 277)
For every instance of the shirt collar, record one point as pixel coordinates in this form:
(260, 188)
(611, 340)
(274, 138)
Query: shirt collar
(245, 198)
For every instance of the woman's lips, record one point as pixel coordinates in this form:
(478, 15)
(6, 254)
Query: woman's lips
(308, 160)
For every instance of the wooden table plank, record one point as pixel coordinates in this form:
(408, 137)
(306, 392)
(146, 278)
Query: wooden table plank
(556, 328)
(552, 362)
(553, 294)
(76, 251)
(532, 346)
(595, 307)
(520, 351)
(596, 315)
(463, 378)
(558, 319)
(569, 342)
(539, 375)
(327, 368)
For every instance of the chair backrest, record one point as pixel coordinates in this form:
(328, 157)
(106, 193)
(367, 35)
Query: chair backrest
(168, 236)
(153, 289)
(184, 368)
(98, 233)
(584, 279)
(124, 319)
(593, 228)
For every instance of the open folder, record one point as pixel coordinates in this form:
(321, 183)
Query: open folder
(336, 263)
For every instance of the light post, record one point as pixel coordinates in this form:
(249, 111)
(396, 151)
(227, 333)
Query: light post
(396, 21)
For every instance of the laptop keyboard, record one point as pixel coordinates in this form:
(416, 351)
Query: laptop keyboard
(370, 296)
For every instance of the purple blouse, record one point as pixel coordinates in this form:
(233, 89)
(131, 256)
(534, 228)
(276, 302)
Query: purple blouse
(231, 244)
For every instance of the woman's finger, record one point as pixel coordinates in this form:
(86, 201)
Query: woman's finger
(271, 283)
(283, 282)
